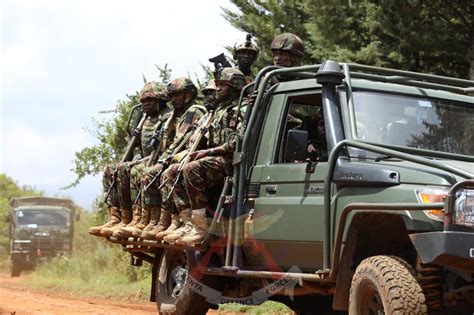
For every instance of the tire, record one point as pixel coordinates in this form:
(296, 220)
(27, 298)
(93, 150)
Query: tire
(15, 268)
(173, 295)
(385, 285)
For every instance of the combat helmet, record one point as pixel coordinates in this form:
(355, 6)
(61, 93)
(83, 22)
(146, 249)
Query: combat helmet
(181, 84)
(248, 44)
(154, 90)
(288, 42)
(233, 77)
(209, 88)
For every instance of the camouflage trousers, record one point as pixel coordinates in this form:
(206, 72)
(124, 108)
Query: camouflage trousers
(107, 179)
(128, 182)
(152, 196)
(202, 174)
(179, 197)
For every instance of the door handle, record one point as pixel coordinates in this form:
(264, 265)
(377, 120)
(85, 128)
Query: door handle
(271, 189)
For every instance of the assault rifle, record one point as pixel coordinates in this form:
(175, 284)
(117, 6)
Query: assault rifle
(220, 62)
(157, 142)
(177, 149)
(200, 132)
(128, 154)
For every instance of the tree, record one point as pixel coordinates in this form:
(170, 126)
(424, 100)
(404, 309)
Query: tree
(111, 134)
(416, 35)
(10, 189)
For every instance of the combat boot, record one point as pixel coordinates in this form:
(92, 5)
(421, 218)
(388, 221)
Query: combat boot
(164, 220)
(174, 224)
(152, 225)
(199, 231)
(187, 226)
(127, 230)
(126, 215)
(144, 220)
(114, 219)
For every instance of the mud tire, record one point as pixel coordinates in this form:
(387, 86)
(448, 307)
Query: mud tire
(385, 283)
(172, 299)
(15, 268)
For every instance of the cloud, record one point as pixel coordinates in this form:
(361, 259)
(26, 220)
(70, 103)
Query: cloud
(40, 158)
(64, 61)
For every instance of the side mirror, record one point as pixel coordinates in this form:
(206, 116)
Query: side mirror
(78, 216)
(296, 145)
(8, 218)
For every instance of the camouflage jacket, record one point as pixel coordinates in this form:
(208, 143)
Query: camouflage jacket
(181, 125)
(150, 125)
(225, 126)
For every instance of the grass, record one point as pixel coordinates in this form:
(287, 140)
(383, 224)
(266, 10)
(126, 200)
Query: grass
(268, 307)
(100, 269)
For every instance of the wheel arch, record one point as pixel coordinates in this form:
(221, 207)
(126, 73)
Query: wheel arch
(370, 234)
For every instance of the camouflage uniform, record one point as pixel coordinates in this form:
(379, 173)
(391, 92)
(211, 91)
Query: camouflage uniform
(189, 195)
(125, 191)
(245, 65)
(178, 129)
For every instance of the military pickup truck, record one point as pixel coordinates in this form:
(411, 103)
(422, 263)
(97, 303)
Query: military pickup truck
(381, 224)
(39, 228)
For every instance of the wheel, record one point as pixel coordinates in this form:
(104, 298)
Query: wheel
(385, 285)
(173, 294)
(15, 268)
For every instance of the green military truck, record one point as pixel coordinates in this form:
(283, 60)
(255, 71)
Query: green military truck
(383, 224)
(40, 228)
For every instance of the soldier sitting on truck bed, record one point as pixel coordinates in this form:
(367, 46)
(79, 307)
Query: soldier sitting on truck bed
(209, 166)
(182, 92)
(246, 54)
(153, 98)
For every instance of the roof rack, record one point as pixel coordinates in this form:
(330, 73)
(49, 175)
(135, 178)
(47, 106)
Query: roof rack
(354, 70)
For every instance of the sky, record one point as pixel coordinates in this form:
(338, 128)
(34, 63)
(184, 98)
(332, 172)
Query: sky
(62, 62)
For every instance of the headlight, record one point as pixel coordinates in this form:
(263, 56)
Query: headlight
(464, 207)
(433, 195)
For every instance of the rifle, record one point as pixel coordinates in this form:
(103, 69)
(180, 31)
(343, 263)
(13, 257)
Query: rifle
(128, 154)
(157, 142)
(220, 62)
(177, 149)
(202, 129)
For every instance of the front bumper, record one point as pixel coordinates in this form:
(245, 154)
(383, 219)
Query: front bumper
(446, 248)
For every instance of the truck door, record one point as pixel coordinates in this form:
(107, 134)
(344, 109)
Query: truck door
(287, 228)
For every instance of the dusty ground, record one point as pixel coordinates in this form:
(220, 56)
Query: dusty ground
(16, 300)
(22, 301)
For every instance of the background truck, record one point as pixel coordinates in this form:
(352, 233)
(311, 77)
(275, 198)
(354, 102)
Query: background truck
(384, 224)
(39, 229)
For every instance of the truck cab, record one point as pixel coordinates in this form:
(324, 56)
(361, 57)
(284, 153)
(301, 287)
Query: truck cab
(40, 228)
(375, 215)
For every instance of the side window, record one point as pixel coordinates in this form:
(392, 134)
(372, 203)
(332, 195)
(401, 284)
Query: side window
(304, 112)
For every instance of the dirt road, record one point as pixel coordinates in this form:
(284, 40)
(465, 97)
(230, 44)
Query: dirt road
(21, 301)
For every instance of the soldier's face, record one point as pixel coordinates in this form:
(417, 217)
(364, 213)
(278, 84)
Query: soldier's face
(150, 106)
(321, 130)
(222, 91)
(246, 57)
(178, 99)
(281, 58)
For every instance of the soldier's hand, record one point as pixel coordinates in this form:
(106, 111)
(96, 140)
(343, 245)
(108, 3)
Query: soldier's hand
(199, 154)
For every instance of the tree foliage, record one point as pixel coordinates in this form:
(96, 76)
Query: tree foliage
(111, 134)
(10, 189)
(430, 36)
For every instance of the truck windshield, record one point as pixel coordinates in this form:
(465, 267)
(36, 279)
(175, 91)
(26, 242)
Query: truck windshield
(424, 123)
(42, 217)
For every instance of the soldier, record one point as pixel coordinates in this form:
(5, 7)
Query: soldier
(288, 50)
(246, 54)
(153, 98)
(317, 146)
(209, 92)
(182, 92)
(210, 166)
